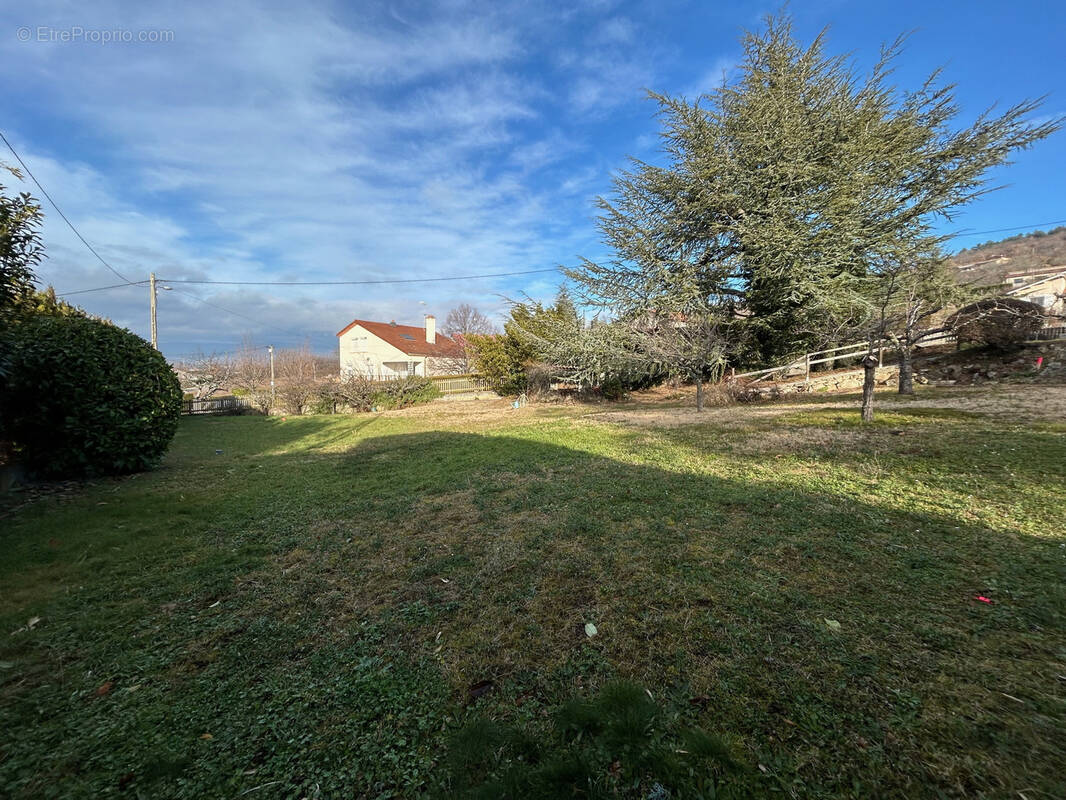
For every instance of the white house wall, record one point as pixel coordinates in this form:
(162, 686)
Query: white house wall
(377, 359)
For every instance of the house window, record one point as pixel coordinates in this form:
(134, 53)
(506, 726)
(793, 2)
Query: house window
(411, 365)
(359, 344)
(1044, 300)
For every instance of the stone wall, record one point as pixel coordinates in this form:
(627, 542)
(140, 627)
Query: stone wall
(963, 368)
(832, 382)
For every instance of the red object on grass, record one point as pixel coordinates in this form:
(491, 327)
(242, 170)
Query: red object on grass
(982, 598)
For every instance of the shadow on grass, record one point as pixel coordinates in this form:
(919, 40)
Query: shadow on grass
(315, 622)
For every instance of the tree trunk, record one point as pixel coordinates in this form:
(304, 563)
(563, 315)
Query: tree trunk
(869, 365)
(906, 370)
(699, 394)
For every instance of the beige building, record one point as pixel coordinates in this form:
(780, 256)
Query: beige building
(1047, 289)
(384, 350)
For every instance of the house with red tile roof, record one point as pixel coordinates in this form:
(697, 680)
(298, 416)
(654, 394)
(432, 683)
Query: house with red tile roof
(384, 350)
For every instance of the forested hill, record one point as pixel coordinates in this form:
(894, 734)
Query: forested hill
(1028, 251)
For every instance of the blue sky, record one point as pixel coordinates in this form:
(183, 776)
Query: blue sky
(320, 141)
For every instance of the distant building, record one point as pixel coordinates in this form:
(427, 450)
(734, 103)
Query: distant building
(384, 350)
(1044, 285)
(1046, 288)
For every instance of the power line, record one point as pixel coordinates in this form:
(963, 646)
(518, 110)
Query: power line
(59, 211)
(364, 283)
(235, 313)
(102, 288)
(1005, 230)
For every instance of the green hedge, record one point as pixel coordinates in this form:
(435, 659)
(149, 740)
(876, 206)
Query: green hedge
(83, 397)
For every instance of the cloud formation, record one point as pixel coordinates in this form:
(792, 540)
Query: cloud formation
(312, 142)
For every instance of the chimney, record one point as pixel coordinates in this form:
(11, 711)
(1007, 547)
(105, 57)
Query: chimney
(431, 329)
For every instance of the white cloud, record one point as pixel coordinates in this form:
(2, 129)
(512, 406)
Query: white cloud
(310, 142)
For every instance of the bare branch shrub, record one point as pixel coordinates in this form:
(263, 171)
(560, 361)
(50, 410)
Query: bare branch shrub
(1002, 322)
(295, 368)
(252, 376)
(209, 374)
(355, 391)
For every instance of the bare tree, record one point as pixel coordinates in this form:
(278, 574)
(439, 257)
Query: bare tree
(296, 378)
(694, 346)
(324, 366)
(911, 299)
(252, 375)
(210, 373)
(465, 319)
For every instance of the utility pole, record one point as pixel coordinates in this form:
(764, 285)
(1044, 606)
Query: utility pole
(151, 306)
(271, 349)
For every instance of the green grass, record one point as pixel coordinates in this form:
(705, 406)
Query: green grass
(303, 614)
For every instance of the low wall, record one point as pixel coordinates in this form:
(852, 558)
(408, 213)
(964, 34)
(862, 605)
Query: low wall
(833, 382)
(963, 368)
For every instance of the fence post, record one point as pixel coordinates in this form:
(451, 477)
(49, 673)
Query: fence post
(807, 367)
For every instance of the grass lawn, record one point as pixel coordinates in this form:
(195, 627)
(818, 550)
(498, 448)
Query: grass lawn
(303, 614)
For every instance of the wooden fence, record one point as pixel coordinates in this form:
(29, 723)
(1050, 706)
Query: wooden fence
(216, 405)
(1048, 334)
(802, 364)
(458, 384)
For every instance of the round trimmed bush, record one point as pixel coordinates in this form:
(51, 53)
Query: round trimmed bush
(83, 397)
(1001, 322)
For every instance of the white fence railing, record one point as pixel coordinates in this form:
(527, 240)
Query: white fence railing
(802, 364)
(458, 384)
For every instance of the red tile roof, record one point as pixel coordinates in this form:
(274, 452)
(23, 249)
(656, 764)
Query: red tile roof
(409, 339)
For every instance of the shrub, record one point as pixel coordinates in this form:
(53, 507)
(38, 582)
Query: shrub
(1001, 322)
(405, 392)
(262, 399)
(296, 395)
(499, 360)
(538, 380)
(354, 391)
(324, 401)
(85, 397)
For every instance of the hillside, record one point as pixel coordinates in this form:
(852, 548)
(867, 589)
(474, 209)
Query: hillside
(1022, 253)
